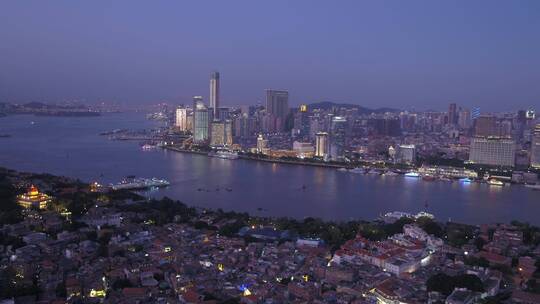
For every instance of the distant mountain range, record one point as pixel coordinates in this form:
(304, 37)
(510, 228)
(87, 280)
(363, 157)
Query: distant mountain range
(327, 105)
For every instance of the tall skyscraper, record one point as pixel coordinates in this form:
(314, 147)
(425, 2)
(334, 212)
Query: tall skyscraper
(214, 94)
(475, 113)
(181, 119)
(321, 144)
(492, 151)
(535, 148)
(464, 118)
(452, 114)
(338, 137)
(277, 103)
(200, 121)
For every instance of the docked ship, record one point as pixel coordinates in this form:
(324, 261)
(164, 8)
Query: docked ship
(412, 174)
(224, 154)
(495, 182)
(140, 183)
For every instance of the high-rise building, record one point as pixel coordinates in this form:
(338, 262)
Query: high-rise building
(452, 114)
(338, 137)
(277, 104)
(321, 144)
(486, 125)
(301, 121)
(214, 94)
(492, 151)
(181, 118)
(200, 121)
(228, 137)
(535, 148)
(475, 113)
(217, 137)
(405, 154)
(464, 119)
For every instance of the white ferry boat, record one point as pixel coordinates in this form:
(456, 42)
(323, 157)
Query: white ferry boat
(412, 174)
(140, 183)
(224, 154)
(148, 147)
(495, 182)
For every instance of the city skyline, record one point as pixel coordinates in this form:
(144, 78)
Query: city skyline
(416, 55)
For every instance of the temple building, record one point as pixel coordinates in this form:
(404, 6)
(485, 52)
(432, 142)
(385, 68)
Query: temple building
(33, 199)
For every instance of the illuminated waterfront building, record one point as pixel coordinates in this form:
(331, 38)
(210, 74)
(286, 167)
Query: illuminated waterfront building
(494, 151)
(181, 117)
(262, 144)
(321, 144)
(217, 137)
(338, 137)
(33, 199)
(200, 121)
(405, 154)
(535, 148)
(303, 149)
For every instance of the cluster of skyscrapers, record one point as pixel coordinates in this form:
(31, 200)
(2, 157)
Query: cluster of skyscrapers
(338, 132)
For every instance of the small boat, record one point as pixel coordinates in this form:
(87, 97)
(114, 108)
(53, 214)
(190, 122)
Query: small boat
(342, 169)
(390, 173)
(533, 187)
(148, 147)
(412, 174)
(445, 179)
(373, 171)
(429, 178)
(495, 182)
(357, 171)
(465, 180)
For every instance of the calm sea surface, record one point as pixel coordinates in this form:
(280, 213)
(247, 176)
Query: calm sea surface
(71, 146)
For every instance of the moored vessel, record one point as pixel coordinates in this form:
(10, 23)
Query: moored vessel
(140, 183)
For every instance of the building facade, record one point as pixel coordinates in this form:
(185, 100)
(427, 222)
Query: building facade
(277, 104)
(492, 151)
(214, 94)
(200, 121)
(181, 118)
(321, 144)
(535, 148)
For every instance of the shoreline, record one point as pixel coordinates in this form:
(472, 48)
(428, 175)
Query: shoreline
(268, 160)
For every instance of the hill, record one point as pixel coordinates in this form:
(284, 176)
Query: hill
(327, 105)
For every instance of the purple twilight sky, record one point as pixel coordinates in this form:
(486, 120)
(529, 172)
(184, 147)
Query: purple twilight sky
(403, 54)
